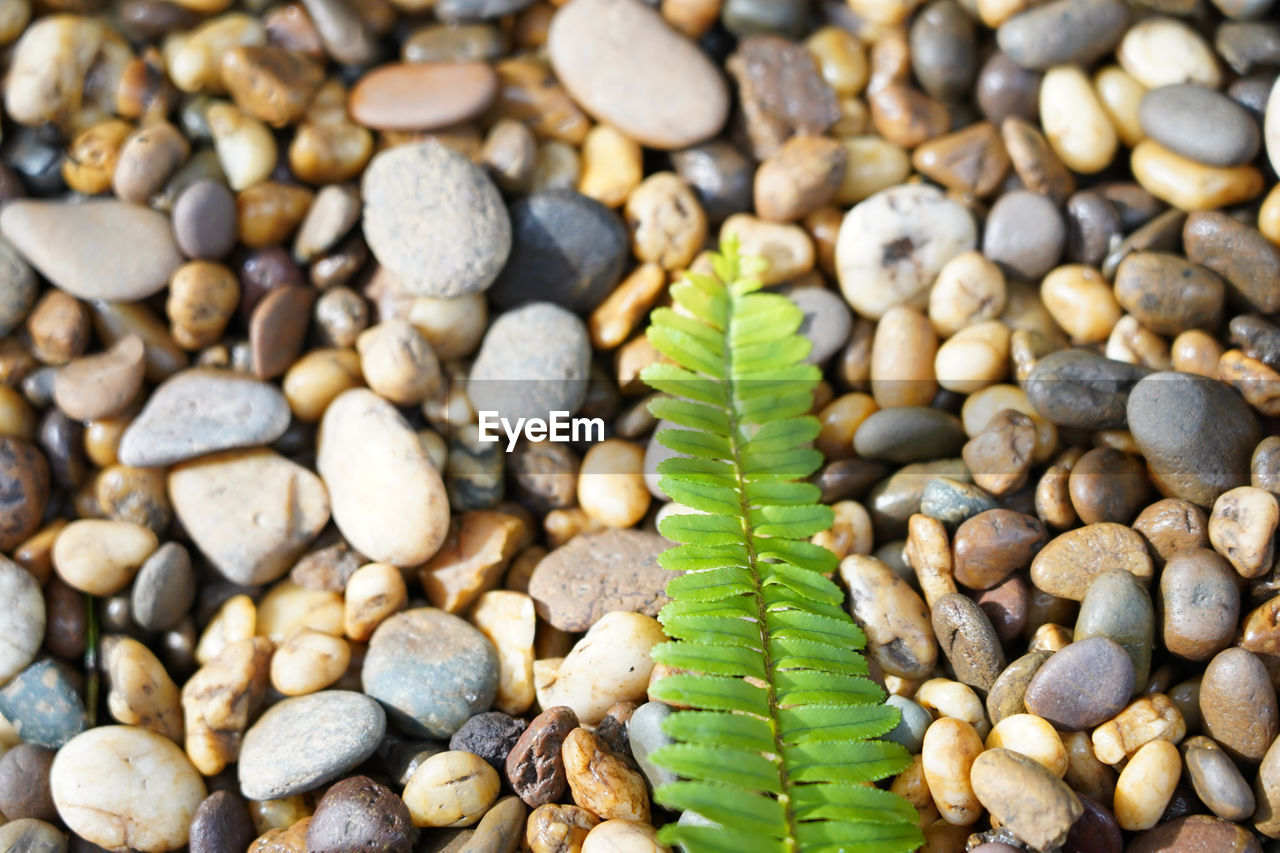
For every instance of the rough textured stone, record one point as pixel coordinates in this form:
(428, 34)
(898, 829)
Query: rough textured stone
(580, 581)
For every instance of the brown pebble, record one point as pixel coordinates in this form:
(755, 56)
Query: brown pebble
(278, 329)
(102, 385)
(26, 476)
(534, 766)
(1198, 604)
(968, 640)
(423, 95)
(972, 160)
(1107, 485)
(991, 544)
(272, 84)
(1233, 680)
(1000, 456)
(1068, 563)
(1172, 525)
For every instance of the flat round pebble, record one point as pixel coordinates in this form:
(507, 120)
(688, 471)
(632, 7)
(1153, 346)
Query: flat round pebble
(163, 589)
(431, 671)
(626, 66)
(125, 787)
(1082, 685)
(422, 95)
(1025, 234)
(533, 361)
(22, 619)
(205, 220)
(304, 741)
(434, 219)
(592, 574)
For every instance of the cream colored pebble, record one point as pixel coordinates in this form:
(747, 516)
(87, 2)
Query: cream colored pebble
(902, 359)
(1146, 785)
(841, 59)
(288, 607)
(451, 789)
(1120, 94)
(235, 620)
(788, 249)
(1146, 719)
(968, 290)
(950, 748)
(1132, 342)
(928, 552)
(1050, 638)
(610, 664)
(373, 592)
(623, 836)
(1082, 302)
(509, 621)
(193, 58)
(850, 532)
(611, 485)
(874, 164)
(943, 697)
(398, 362)
(1242, 528)
(245, 146)
(1074, 121)
(974, 357)
(101, 557)
(1033, 737)
(1163, 51)
(308, 661)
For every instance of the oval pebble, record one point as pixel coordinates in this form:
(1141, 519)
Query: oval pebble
(1197, 122)
(22, 619)
(1084, 684)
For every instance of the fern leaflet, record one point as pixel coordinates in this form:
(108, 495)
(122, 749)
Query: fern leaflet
(778, 752)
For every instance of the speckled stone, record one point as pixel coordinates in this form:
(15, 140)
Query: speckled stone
(533, 360)
(42, 705)
(577, 583)
(22, 618)
(490, 735)
(221, 823)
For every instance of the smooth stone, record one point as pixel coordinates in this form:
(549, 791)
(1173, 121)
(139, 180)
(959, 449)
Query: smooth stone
(43, 706)
(18, 288)
(1024, 234)
(304, 741)
(1234, 680)
(274, 506)
(203, 410)
(594, 573)
(892, 500)
(1203, 452)
(25, 474)
(944, 54)
(757, 17)
(422, 95)
(278, 329)
(1246, 260)
(1076, 388)
(205, 220)
(1070, 563)
(1197, 122)
(1118, 607)
(490, 735)
(1168, 294)
(1007, 90)
(101, 385)
(1007, 695)
(1195, 833)
(435, 219)
(94, 250)
(645, 736)
(221, 823)
(1270, 129)
(909, 434)
(22, 619)
(953, 502)
(1092, 225)
(24, 783)
(720, 175)
(1025, 797)
(477, 10)
(431, 671)
(1084, 684)
(474, 471)
(827, 322)
(388, 499)
(1199, 604)
(333, 213)
(971, 160)
(533, 360)
(1217, 781)
(625, 65)
(913, 719)
(1063, 31)
(968, 640)
(566, 248)
(357, 815)
(993, 544)
(128, 788)
(164, 588)
(29, 835)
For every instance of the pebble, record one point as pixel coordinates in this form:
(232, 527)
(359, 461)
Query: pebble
(1247, 261)
(470, 10)
(1063, 31)
(100, 556)
(989, 545)
(388, 499)
(42, 705)
(1146, 785)
(968, 640)
(18, 288)
(217, 701)
(953, 502)
(800, 177)
(1074, 121)
(69, 245)
(1076, 388)
(892, 246)
(909, 434)
(566, 248)
(1118, 607)
(950, 747)
(1025, 234)
(205, 220)
(307, 661)
(1197, 122)
(1202, 455)
(827, 322)
(944, 54)
(125, 787)
(29, 835)
(163, 589)
(435, 220)
(1195, 832)
(781, 91)
(645, 735)
(451, 789)
(1161, 51)
(276, 505)
(300, 743)
(491, 735)
(900, 637)
(533, 360)
(1167, 294)
(1200, 604)
(610, 664)
(1070, 562)
(200, 411)
(24, 783)
(425, 646)
(720, 175)
(22, 503)
(101, 385)
(391, 97)
(595, 573)
(1006, 90)
(602, 781)
(1189, 185)
(22, 622)
(534, 766)
(623, 64)
(357, 815)
(1025, 797)
(221, 822)
(1217, 781)
(1082, 685)
(141, 691)
(1236, 679)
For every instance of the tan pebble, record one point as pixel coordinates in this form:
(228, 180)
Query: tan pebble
(136, 495)
(850, 533)
(787, 249)
(1146, 785)
(1269, 216)
(63, 70)
(308, 661)
(101, 557)
(840, 419)
(1256, 381)
(330, 153)
(622, 310)
(611, 485)
(203, 296)
(1033, 737)
(1001, 455)
(943, 697)
(235, 620)
(1242, 528)
(91, 160)
(218, 701)
(193, 58)
(902, 359)
(14, 16)
(398, 363)
(245, 146)
(147, 159)
(374, 592)
(1162, 51)
(1085, 773)
(58, 328)
(316, 379)
(17, 418)
(271, 84)
(900, 637)
(841, 59)
(556, 165)
(929, 554)
(906, 116)
(872, 164)
(472, 558)
(610, 664)
(969, 289)
(1120, 95)
(451, 789)
(611, 166)
(141, 692)
(910, 784)
(1081, 301)
(101, 385)
(453, 327)
(800, 177)
(115, 320)
(623, 836)
(1146, 719)
(509, 621)
(667, 224)
(973, 358)
(1189, 185)
(531, 93)
(288, 608)
(600, 781)
(1132, 342)
(1075, 122)
(292, 839)
(553, 828)
(35, 554)
(1050, 638)
(269, 212)
(950, 748)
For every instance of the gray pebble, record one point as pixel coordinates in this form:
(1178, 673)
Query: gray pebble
(909, 434)
(43, 706)
(1093, 226)
(164, 588)
(490, 735)
(952, 502)
(827, 323)
(221, 823)
(1198, 123)
(18, 288)
(721, 175)
(1063, 31)
(31, 836)
(533, 360)
(646, 736)
(944, 54)
(1217, 780)
(1024, 234)
(205, 220)
(746, 18)
(1076, 388)
(909, 732)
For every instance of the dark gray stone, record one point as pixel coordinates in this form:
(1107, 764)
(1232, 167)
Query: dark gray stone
(490, 735)
(1197, 122)
(1063, 31)
(221, 825)
(953, 502)
(909, 434)
(164, 588)
(1075, 388)
(42, 704)
(358, 815)
(1082, 685)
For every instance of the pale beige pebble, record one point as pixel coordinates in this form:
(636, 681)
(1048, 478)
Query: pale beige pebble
(943, 697)
(246, 147)
(1081, 302)
(103, 384)
(307, 661)
(193, 58)
(1074, 121)
(556, 165)
(1120, 94)
(874, 164)
(235, 620)
(1050, 638)
(374, 592)
(950, 748)
(275, 506)
(855, 118)
(453, 327)
(886, 13)
(472, 559)
(509, 620)
(220, 698)
(1132, 342)
(140, 691)
(973, 358)
(398, 363)
(1161, 51)
(288, 607)
(1085, 773)
(388, 499)
(1196, 351)
(850, 533)
(1146, 785)
(928, 552)
(123, 787)
(1033, 737)
(315, 380)
(451, 789)
(621, 836)
(902, 359)
(900, 638)
(101, 557)
(280, 813)
(611, 485)
(610, 664)
(613, 321)
(612, 165)
(667, 223)
(786, 248)
(601, 781)
(63, 71)
(1146, 719)
(841, 59)
(969, 289)
(1242, 528)
(1188, 185)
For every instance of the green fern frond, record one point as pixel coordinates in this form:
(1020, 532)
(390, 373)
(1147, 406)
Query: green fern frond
(779, 752)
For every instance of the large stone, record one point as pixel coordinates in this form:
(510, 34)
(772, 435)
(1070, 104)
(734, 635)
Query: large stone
(22, 619)
(534, 360)
(577, 583)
